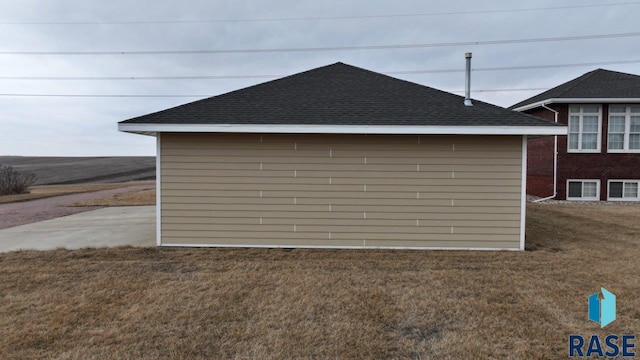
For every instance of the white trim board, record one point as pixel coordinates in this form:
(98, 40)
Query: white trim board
(338, 247)
(523, 194)
(150, 129)
(158, 191)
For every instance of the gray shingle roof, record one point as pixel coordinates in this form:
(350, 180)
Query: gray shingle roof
(339, 94)
(599, 83)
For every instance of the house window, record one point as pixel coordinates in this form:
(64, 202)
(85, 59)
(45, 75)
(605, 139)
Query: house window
(583, 189)
(624, 128)
(624, 190)
(584, 128)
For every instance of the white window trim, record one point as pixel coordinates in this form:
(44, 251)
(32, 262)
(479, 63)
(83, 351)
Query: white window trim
(627, 129)
(581, 114)
(609, 198)
(596, 198)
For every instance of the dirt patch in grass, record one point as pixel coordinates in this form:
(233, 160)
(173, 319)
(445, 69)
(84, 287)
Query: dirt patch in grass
(138, 198)
(46, 191)
(348, 304)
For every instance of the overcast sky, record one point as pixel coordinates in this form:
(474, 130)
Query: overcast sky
(87, 126)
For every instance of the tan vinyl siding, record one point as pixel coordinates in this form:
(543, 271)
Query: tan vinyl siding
(341, 190)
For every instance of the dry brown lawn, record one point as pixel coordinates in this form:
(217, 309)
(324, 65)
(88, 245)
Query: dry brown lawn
(45, 191)
(137, 198)
(129, 303)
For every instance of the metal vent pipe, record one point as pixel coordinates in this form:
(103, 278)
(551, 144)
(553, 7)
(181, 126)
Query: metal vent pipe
(467, 85)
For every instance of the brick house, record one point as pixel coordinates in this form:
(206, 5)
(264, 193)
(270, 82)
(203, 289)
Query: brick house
(600, 158)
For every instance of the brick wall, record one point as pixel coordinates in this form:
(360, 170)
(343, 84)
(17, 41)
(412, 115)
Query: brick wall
(540, 159)
(601, 166)
(540, 166)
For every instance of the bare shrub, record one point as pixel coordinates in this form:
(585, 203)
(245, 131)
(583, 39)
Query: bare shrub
(13, 181)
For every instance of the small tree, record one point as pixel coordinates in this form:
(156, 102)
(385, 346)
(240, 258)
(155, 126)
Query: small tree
(13, 181)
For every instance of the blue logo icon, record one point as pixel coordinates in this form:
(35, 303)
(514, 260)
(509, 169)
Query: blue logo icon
(602, 310)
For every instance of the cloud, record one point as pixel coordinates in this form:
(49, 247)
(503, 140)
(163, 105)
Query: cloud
(87, 126)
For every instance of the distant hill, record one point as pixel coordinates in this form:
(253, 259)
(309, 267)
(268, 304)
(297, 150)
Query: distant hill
(73, 170)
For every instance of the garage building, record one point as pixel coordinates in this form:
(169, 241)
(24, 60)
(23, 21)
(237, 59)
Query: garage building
(341, 157)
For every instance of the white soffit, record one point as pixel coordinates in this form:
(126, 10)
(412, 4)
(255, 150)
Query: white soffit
(577, 101)
(151, 129)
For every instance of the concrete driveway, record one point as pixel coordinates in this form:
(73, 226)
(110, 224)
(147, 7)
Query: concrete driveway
(108, 227)
(27, 212)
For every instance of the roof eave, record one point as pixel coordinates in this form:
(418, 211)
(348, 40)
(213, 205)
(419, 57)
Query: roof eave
(152, 129)
(576, 101)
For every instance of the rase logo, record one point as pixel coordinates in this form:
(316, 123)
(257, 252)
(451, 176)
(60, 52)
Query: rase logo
(602, 309)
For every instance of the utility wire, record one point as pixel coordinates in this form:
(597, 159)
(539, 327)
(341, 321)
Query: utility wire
(331, 48)
(226, 77)
(283, 19)
(523, 67)
(106, 95)
(186, 77)
(206, 96)
(501, 90)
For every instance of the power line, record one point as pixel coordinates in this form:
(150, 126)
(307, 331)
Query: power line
(206, 96)
(523, 67)
(501, 90)
(283, 19)
(106, 95)
(336, 48)
(186, 77)
(331, 48)
(227, 77)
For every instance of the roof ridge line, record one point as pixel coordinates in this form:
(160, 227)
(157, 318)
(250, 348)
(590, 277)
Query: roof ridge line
(579, 80)
(619, 72)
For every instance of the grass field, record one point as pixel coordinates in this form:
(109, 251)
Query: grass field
(138, 198)
(45, 191)
(82, 170)
(154, 303)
